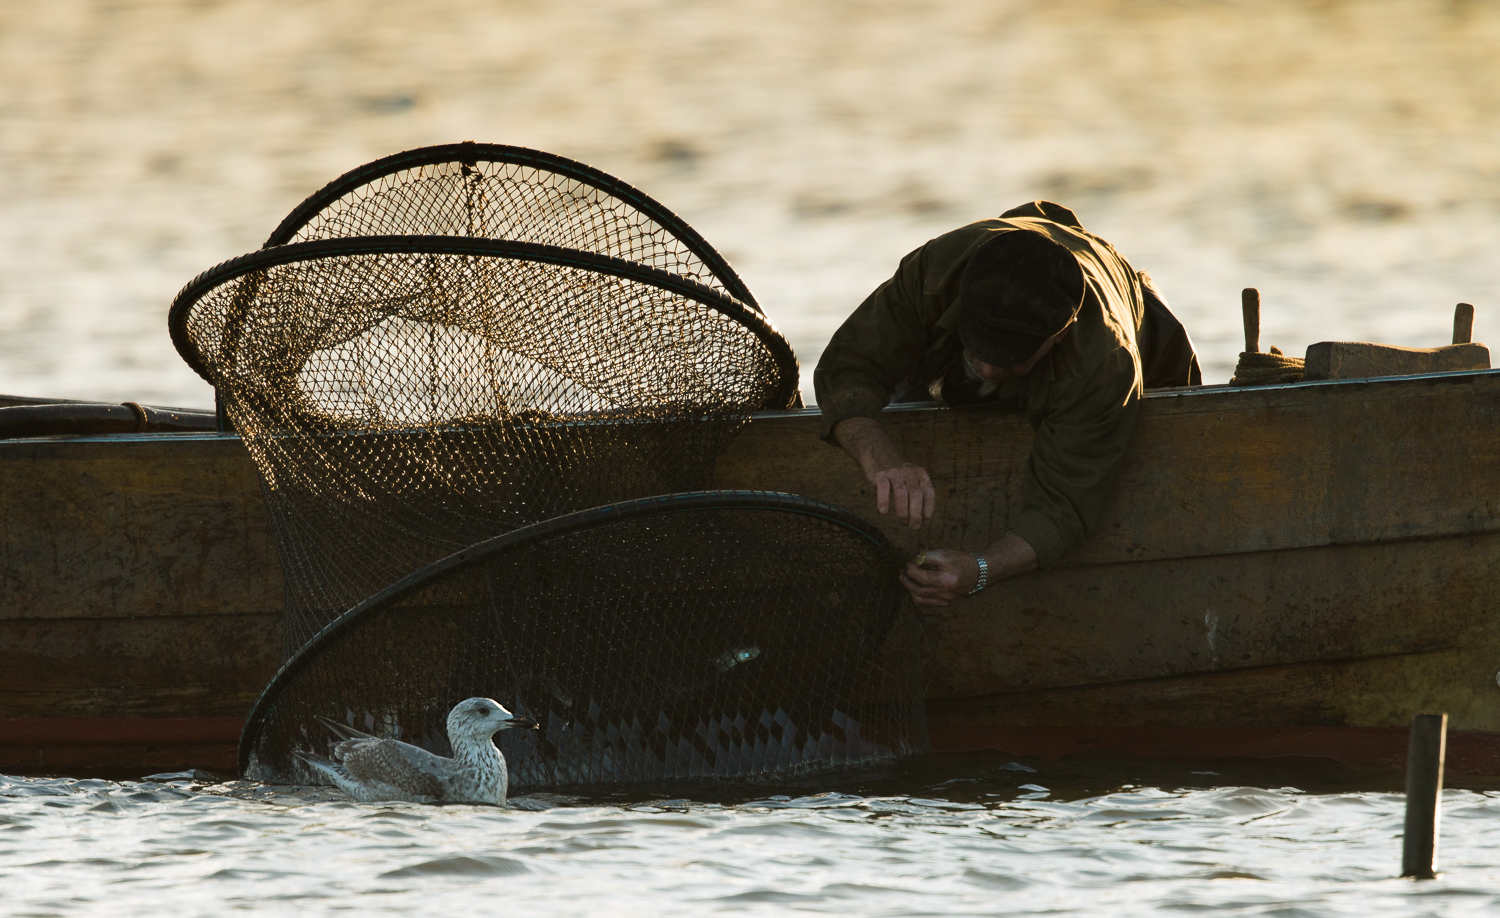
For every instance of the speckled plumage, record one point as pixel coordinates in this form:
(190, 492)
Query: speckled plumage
(371, 769)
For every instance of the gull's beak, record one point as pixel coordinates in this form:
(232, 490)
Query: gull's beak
(521, 722)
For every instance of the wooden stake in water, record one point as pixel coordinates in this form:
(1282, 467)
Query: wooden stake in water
(1424, 785)
(1250, 306)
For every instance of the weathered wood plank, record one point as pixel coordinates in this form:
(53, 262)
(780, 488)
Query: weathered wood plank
(1360, 359)
(1209, 473)
(141, 525)
(163, 524)
(117, 747)
(168, 666)
(1097, 624)
(1379, 691)
(1473, 754)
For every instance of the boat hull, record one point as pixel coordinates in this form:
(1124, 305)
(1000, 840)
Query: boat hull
(1293, 569)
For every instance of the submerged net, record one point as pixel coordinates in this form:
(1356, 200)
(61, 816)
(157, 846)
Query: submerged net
(711, 635)
(406, 397)
(504, 192)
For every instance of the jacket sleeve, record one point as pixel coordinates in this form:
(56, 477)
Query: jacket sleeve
(874, 349)
(1083, 432)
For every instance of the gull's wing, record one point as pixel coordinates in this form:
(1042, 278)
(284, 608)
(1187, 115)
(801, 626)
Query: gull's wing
(429, 762)
(326, 768)
(342, 731)
(416, 756)
(419, 757)
(403, 766)
(330, 770)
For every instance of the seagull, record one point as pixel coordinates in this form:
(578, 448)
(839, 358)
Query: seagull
(371, 769)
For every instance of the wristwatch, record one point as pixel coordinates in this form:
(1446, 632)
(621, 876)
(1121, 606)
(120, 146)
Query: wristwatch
(984, 574)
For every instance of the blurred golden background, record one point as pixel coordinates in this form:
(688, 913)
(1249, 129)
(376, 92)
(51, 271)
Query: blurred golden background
(1342, 156)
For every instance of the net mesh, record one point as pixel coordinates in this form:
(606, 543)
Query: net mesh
(406, 397)
(503, 192)
(710, 636)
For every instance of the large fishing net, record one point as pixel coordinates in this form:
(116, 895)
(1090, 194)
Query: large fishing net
(476, 382)
(711, 635)
(504, 192)
(405, 397)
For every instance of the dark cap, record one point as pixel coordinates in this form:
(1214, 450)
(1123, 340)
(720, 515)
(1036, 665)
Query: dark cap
(1019, 289)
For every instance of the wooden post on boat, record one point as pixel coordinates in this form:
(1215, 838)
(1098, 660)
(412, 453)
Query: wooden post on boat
(1463, 324)
(1250, 305)
(1425, 752)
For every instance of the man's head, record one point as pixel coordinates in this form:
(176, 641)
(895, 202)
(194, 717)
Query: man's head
(1019, 292)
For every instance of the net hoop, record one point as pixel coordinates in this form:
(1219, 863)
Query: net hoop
(470, 153)
(537, 532)
(784, 396)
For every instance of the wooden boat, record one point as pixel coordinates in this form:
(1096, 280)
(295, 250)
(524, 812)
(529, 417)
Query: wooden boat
(1283, 571)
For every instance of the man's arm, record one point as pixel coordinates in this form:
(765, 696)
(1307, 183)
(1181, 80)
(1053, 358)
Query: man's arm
(1083, 434)
(871, 351)
(895, 480)
(874, 349)
(1079, 443)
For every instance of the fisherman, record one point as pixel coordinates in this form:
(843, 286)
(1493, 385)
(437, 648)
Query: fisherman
(1029, 310)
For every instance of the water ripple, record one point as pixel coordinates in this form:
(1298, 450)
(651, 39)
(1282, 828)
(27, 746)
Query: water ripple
(1132, 851)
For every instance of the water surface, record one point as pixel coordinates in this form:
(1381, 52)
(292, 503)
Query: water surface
(976, 835)
(1344, 155)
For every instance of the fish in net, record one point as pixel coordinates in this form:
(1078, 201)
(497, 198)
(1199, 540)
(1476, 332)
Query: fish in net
(404, 397)
(506, 192)
(714, 635)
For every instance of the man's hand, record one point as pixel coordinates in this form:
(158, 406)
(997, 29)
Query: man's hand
(896, 481)
(946, 575)
(909, 488)
(943, 577)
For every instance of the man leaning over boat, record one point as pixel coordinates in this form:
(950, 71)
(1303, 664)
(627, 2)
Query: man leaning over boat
(1028, 310)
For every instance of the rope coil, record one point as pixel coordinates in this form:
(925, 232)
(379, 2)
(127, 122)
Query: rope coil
(1257, 369)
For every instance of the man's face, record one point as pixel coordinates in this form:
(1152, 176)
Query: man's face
(992, 373)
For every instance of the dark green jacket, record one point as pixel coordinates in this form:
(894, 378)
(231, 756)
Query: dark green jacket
(1082, 398)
